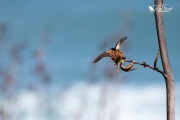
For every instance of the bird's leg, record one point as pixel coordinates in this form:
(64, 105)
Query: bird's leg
(117, 70)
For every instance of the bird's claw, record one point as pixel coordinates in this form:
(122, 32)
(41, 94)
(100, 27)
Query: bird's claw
(117, 70)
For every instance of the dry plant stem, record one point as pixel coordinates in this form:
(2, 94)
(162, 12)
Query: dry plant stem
(148, 66)
(165, 60)
(156, 59)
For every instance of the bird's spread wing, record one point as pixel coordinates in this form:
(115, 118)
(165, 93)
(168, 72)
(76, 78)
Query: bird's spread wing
(108, 53)
(118, 44)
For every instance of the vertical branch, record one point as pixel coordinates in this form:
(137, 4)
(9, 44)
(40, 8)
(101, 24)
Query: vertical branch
(165, 60)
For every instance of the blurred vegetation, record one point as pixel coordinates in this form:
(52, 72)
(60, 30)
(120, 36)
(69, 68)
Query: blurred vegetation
(10, 83)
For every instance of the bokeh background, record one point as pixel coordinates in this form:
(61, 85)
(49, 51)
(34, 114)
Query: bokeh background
(46, 53)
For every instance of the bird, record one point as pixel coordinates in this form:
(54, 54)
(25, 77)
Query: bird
(114, 53)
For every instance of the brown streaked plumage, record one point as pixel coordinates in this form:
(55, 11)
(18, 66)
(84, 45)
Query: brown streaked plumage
(117, 56)
(114, 53)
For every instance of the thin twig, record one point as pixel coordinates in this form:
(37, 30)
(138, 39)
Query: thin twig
(145, 65)
(156, 59)
(128, 68)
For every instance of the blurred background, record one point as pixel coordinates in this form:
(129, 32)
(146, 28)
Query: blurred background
(46, 53)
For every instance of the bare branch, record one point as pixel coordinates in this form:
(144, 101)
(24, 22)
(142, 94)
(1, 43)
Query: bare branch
(156, 59)
(158, 5)
(128, 68)
(145, 65)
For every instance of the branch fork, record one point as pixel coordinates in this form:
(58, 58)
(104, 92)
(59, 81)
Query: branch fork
(144, 64)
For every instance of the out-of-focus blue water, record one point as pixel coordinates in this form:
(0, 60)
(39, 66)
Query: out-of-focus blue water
(76, 28)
